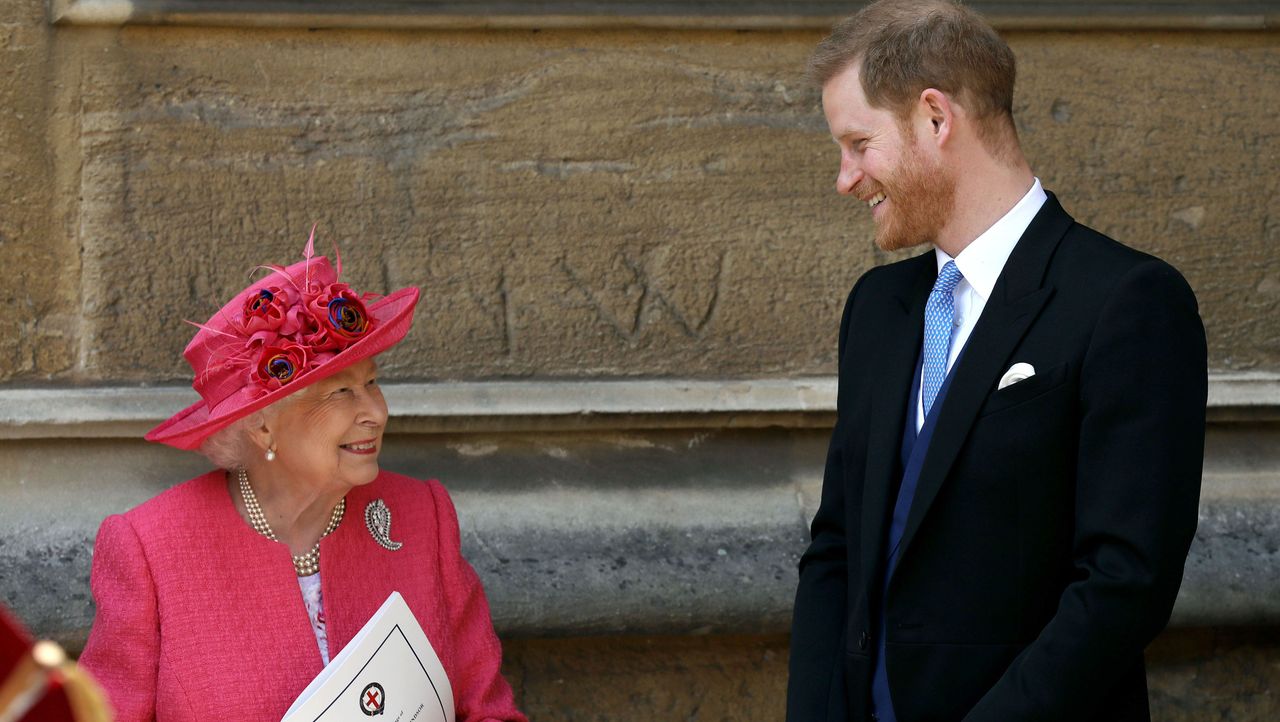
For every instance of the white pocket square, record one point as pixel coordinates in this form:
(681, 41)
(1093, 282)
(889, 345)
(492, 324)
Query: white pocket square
(1017, 372)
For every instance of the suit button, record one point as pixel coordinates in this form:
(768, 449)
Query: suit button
(863, 640)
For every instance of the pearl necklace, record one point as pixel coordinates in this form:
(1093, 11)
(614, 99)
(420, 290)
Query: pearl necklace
(303, 564)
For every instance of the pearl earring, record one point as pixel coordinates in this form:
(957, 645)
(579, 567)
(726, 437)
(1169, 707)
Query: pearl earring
(271, 454)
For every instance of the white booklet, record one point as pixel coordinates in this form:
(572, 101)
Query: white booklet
(389, 671)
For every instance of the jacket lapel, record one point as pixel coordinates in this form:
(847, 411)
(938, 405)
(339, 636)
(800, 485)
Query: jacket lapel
(898, 337)
(1016, 300)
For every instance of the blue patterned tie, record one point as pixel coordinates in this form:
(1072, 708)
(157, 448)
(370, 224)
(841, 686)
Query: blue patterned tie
(938, 315)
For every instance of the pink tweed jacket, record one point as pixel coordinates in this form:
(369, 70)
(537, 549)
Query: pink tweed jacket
(200, 618)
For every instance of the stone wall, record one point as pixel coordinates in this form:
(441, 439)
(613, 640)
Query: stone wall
(574, 203)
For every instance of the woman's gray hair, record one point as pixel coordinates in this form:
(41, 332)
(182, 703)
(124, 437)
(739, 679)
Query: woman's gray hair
(230, 448)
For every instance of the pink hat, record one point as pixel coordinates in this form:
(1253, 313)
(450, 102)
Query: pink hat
(294, 327)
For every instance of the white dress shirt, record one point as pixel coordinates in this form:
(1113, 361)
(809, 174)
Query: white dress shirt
(981, 263)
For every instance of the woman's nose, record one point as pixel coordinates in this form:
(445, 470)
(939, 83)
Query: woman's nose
(373, 411)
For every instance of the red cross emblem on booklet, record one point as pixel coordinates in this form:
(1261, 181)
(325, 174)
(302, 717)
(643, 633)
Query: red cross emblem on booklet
(373, 699)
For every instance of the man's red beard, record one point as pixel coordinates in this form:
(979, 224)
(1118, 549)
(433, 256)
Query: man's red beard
(921, 199)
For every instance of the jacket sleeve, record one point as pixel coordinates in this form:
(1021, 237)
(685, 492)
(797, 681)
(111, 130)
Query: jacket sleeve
(1142, 393)
(480, 692)
(123, 650)
(818, 620)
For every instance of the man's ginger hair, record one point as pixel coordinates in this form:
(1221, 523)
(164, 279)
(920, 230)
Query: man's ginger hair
(906, 46)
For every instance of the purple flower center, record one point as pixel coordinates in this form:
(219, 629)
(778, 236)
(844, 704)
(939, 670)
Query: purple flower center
(264, 297)
(347, 317)
(279, 367)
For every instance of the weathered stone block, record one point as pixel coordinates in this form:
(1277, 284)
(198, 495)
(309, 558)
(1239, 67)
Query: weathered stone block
(1212, 674)
(40, 264)
(572, 204)
(1152, 138)
(621, 679)
(611, 203)
(1194, 675)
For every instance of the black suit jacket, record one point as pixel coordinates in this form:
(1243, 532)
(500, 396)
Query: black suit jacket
(1046, 541)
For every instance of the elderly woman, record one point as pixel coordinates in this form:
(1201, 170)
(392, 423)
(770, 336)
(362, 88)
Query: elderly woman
(223, 597)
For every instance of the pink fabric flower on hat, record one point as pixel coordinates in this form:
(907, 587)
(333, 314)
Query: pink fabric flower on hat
(314, 335)
(340, 318)
(347, 316)
(268, 310)
(279, 364)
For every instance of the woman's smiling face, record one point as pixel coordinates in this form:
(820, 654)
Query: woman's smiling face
(331, 434)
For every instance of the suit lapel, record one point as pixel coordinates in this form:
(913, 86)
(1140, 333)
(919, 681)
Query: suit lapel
(1016, 300)
(898, 337)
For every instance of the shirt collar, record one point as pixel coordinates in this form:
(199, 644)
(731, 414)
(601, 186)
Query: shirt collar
(982, 260)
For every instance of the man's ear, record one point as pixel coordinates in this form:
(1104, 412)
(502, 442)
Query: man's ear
(937, 111)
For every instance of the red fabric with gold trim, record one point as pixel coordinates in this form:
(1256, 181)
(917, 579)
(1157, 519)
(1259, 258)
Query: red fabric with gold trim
(15, 645)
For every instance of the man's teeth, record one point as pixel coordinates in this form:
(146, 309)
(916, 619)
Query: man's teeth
(360, 447)
(876, 199)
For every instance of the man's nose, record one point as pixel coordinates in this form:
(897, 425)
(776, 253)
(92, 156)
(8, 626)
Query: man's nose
(850, 175)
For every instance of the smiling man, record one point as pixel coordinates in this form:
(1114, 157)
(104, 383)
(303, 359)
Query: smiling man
(1012, 483)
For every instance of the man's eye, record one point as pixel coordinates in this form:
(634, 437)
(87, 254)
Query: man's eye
(372, 382)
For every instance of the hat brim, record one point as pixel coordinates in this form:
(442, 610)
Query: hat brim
(188, 428)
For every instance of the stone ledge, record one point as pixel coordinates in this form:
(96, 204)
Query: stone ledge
(669, 15)
(683, 527)
(451, 407)
(663, 567)
(682, 561)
